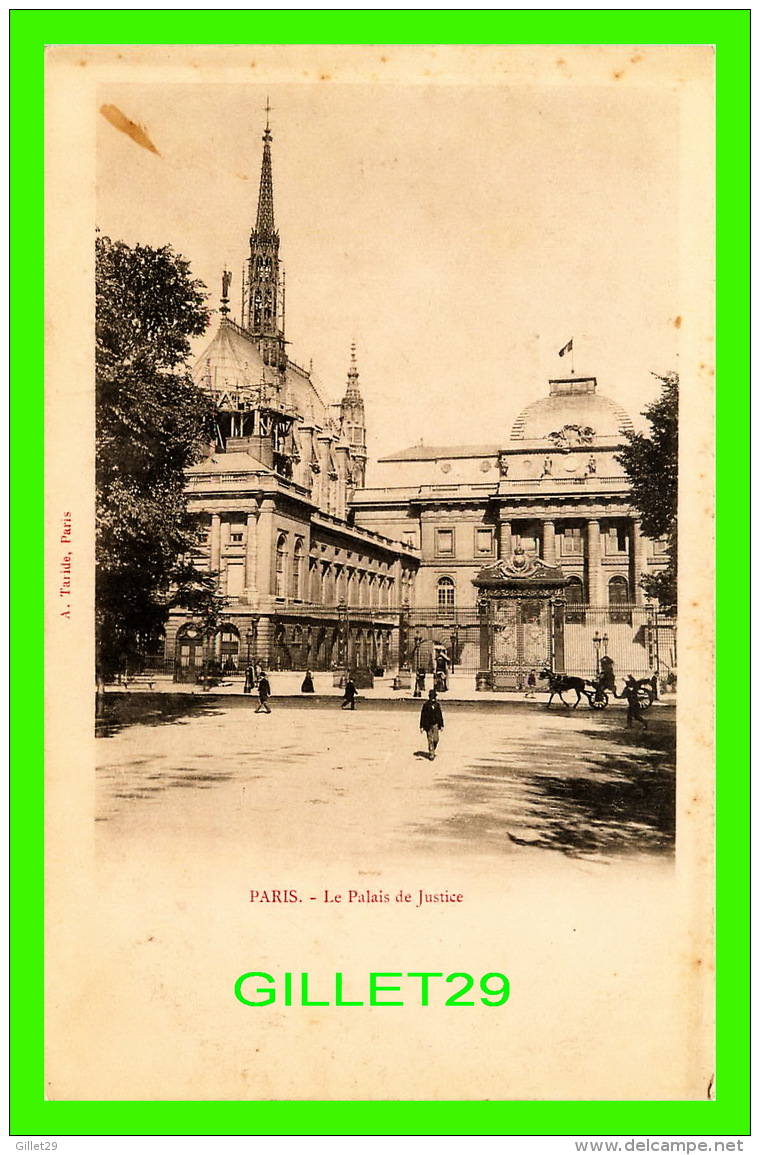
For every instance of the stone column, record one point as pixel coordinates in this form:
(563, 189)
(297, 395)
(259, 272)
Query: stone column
(505, 539)
(264, 569)
(556, 609)
(548, 545)
(216, 541)
(594, 562)
(638, 561)
(251, 585)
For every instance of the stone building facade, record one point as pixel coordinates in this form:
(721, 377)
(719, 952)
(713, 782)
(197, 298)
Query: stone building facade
(304, 586)
(553, 492)
(321, 571)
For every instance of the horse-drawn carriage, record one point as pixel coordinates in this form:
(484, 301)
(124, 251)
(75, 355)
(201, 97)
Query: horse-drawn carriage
(597, 692)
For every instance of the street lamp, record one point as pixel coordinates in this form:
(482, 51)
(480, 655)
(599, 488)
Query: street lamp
(454, 646)
(601, 641)
(343, 618)
(653, 645)
(251, 637)
(416, 664)
(403, 636)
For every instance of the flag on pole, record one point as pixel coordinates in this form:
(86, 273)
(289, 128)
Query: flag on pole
(568, 348)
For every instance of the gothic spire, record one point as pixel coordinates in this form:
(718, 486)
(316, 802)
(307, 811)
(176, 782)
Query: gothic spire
(352, 423)
(263, 297)
(265, 212)
(352, 384)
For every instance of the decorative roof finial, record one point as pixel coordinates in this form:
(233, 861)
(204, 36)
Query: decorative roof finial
(226, 282)
(267, 109)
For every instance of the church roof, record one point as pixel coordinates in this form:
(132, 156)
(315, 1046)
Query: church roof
(231, 361)
(439, 452)
(306, 395)
(238, 462)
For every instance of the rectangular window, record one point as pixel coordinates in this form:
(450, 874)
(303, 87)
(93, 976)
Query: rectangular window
(236, 538)
(235, 583)
(484, 542)
(617, 538)
(444, 542)
(572, 541)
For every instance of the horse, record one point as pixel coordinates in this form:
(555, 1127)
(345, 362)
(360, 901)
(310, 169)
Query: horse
(558, 683)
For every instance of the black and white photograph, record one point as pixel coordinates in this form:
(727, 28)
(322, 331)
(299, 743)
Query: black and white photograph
(380, 516)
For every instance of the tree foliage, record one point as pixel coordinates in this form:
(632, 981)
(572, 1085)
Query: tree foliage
(651, 463)
(151, 419)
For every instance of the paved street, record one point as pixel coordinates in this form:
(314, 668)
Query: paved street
(554, 827)
(358, 781)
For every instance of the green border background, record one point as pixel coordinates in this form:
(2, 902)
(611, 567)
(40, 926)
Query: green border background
(30, 32)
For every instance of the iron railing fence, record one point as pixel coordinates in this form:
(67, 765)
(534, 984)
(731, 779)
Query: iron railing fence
(639, 639)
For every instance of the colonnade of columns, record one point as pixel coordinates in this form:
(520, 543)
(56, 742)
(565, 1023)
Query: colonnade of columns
(595, 572)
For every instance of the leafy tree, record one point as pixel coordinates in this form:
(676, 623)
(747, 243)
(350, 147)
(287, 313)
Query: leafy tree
(151, 419)
(651, 463)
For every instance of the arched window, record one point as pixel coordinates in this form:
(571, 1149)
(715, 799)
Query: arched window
(575, 598)
(314, 577)
(618, 600)
(329, 586)
(446, 595)
(295, 576)
(281, 566)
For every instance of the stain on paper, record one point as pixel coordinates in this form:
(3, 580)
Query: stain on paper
(136, 132)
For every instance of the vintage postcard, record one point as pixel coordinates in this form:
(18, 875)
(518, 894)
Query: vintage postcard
(379, 755)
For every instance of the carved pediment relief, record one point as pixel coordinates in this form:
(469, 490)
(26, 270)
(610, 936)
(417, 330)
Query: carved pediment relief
(570, 436)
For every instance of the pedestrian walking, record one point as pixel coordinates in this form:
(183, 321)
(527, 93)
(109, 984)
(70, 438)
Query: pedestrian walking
(531, 685)
(307, 685)
(265, 692)
(431, 722)
(631, 695)
(249, 680)
(441, 671)
(349, 695)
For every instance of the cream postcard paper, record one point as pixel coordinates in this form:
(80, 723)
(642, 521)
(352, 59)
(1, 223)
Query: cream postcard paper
(449, 219)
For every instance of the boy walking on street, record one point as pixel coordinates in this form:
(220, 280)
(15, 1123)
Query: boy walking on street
(631, 695)
(265, 692)
(349, 695)
(431, 722)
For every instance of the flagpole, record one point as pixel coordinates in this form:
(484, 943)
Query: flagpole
(572, 357)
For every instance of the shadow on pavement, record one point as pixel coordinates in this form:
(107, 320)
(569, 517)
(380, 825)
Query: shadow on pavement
(116, 711)
(616, 798)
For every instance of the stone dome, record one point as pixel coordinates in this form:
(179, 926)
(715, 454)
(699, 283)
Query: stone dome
(573, 411)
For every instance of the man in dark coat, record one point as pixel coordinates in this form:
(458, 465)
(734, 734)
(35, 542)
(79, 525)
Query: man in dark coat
(265, 691)
(631, 695)
(349, 695)
(431, 722)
